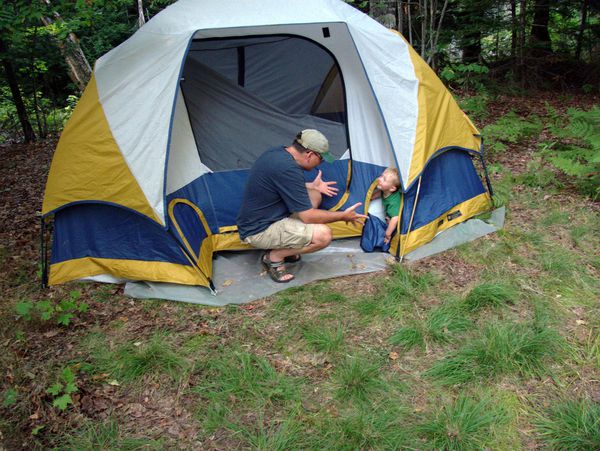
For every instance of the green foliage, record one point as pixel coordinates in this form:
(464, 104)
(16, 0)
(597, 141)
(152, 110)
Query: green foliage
(538, 175)
(62, 389)
(572, 425)
(578, 154)
(60, 312)
(465, 424)
(489, 295)
(503, 349)
(475, 106)
(467, 76)
(511, 129)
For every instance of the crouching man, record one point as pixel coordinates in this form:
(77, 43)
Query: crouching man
(279, 211)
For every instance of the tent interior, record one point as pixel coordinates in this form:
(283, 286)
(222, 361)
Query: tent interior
(245, 95)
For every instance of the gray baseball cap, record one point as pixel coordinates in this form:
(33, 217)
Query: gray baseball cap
(317, 142)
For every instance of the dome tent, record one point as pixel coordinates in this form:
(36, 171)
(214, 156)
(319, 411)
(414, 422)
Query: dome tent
(148, 175)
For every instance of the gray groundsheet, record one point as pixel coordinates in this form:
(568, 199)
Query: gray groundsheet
(239, 277)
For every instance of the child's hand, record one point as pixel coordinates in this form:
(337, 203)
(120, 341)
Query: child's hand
(388, 237)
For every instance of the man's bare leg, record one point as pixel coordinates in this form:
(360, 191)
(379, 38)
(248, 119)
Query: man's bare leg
(321, 238)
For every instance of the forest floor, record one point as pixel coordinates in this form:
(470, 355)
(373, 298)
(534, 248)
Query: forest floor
(491, 345)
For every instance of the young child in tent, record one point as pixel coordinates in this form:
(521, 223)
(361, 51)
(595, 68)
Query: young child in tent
(388, 184)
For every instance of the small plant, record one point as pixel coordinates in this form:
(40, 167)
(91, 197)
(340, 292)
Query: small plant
(489, 295)
(62, 389)
(10, 397)
(475, 106)
(356, 378)
(538, 176)
(465, 424)
(61, 312)
(572, 425)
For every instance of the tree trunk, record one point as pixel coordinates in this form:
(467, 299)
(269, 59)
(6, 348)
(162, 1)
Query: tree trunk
(584, 10)
(11, 78)
(141, 18)
(521, 44)
(80, 71)
(513, 29)
(540, 37)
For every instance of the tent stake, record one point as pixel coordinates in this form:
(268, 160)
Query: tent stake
(44, 253)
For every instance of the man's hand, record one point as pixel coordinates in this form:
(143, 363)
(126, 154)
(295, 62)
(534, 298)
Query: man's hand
(350, 214)
(388, 237)
(322, 186)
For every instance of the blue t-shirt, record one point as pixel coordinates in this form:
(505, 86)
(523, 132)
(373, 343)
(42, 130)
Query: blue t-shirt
(275, 189)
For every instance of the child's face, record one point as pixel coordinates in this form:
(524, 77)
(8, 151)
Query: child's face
(385, 184)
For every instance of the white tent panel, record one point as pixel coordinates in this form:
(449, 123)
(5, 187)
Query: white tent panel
(184, 163)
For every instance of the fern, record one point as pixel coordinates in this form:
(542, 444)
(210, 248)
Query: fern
(578, 156)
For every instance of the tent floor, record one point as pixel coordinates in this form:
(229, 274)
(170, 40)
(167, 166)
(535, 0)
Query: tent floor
(239, 277)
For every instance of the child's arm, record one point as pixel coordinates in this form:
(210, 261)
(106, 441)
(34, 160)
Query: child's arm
(390, 229)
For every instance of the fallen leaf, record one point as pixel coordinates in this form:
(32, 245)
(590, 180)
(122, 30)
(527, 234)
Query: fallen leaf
(393, 355)
(580, 322)
(114, 382)
(227, 282)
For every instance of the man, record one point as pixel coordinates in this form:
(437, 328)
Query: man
(279, 211)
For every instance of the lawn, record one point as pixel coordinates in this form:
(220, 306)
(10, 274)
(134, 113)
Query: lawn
(494, 344)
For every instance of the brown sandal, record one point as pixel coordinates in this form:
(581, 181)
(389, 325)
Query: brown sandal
(276, 270)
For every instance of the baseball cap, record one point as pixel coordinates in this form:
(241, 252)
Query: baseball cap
(315, 140)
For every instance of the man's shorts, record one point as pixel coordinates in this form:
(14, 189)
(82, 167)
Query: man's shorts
(284, 234)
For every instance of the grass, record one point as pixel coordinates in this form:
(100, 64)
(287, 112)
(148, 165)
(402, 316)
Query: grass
(502, 349)
(491, 295)
(132, 361)
(322, 339)
(356, 379)
(106, 435)
(464, 424)
(572, 425)
(439, 327)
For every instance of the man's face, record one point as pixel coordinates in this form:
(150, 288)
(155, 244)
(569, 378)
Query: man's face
(310, 160)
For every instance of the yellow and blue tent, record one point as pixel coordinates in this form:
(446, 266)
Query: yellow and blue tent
(148, 175)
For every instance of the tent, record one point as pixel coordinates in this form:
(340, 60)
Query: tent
(148, 175)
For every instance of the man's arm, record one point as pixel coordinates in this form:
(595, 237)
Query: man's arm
(316, 216)
(390, 229)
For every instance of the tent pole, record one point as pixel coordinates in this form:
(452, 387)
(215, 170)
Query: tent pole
(399, 228)
(485, 171)
(412, 215)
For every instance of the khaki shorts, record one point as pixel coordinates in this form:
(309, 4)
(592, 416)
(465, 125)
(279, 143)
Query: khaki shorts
(284, 234)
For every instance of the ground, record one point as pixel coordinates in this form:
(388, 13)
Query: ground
(491, 345)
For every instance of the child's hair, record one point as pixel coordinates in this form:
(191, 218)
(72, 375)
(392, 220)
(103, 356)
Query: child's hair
(395, 179)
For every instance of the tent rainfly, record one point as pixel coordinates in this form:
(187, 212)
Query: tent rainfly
(148, 175)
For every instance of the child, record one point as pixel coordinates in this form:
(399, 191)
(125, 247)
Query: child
(389, 183)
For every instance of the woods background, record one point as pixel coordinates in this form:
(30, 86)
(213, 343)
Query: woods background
(49, 47)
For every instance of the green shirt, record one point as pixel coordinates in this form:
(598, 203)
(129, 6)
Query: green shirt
(391, 204)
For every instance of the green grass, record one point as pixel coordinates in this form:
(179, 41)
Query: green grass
(489, 295)
(133, 360)
(439, 327)
(232, 376)
(106, 435)
(278, 435)
(465, 424)
(570, 425)
(502, 349)
(356, 379)
(324, 339)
